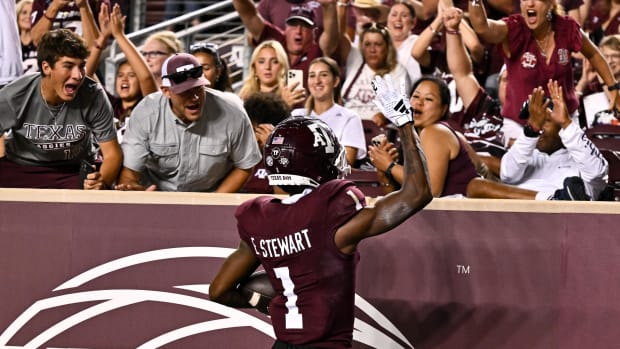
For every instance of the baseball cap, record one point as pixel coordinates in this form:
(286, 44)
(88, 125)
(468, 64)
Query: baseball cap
(181, 72)
(301, 13)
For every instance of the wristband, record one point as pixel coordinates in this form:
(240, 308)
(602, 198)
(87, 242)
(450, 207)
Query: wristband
(453, 32)
(530, 131)
(615, 86)
(388, 171)
(48, 18)
(342, 4)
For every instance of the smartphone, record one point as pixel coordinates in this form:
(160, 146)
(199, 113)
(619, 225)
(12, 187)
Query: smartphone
(376, 140)
(85, 168)
(293, 76)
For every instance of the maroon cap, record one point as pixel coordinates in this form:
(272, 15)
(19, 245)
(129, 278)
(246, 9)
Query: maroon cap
(301, 13)
(180, 73)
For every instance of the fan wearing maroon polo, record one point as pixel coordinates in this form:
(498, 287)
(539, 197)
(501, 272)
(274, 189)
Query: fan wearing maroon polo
(307, 243)
(298, 39)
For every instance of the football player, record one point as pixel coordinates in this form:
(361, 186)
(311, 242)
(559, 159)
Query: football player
(307, 243)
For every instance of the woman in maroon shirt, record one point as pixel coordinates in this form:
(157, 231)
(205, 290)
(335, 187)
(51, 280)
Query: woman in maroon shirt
(537, 45)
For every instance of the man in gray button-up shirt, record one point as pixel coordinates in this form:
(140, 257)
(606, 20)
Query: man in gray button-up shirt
(187, 137)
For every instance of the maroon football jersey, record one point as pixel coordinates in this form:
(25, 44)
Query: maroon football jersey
(314, 281)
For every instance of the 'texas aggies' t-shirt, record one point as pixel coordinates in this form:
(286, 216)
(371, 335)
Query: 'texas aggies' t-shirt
(62, 135)
(314, 281)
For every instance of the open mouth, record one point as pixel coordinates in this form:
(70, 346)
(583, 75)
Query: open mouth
(195, 107)
(71, 89)
(531, 16)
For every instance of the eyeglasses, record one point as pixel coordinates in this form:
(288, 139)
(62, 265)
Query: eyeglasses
(152, 54)
(181, 76)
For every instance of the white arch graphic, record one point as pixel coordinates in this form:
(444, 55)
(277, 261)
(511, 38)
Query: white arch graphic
(114, 299)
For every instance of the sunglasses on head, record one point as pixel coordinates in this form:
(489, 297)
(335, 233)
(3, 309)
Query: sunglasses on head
(209, 48)
(374, 26)
(182, 76)
(206, 46)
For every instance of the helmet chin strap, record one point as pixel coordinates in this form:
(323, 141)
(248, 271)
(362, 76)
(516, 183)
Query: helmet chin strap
(287, 179)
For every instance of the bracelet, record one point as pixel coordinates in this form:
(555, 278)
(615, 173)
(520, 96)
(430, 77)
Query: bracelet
(531, 131)
(475, 3)
(615, 86)
(48, 18)
(432, 30)
(388, 171)
(342, 4)
(385, 184)
(453, 32)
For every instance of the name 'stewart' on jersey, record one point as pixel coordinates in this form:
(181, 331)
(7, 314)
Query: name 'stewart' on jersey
(282, 246)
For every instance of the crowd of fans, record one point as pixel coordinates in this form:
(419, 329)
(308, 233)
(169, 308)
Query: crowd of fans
(501, 95)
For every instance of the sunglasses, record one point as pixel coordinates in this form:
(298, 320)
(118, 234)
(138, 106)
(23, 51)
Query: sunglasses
(182, 76)
(374, 26)
(208, 48)
(151, 54)
(204, 46)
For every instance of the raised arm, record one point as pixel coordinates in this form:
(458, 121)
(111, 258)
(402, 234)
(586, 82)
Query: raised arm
(459, 63)
(490, 31)
(601, 66)
(147, 81)
(100, 43)
(415, 193)
(44, 24)
(90, 32)
(419, 50)
(328, 41)
(250, 17)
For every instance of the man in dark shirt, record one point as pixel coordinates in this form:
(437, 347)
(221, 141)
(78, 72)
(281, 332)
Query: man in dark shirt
(307, 243)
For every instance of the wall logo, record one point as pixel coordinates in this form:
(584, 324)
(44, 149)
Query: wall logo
(98, 303)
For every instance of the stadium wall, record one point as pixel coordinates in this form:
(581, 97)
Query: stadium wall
(131, 270)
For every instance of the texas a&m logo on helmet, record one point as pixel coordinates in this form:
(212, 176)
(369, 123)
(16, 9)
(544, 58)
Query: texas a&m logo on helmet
(304, 151)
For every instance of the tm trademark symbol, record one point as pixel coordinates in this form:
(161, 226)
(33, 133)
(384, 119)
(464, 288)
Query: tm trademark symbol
(463, 269)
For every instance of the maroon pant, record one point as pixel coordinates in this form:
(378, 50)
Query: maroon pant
(13, 175)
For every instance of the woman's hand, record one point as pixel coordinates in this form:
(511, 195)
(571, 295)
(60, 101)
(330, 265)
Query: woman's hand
(262, 131)
(383, 155)
(294, 94)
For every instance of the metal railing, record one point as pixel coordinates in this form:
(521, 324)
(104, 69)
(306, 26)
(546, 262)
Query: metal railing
(232, 43)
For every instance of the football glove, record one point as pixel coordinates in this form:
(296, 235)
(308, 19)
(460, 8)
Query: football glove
(392, 103)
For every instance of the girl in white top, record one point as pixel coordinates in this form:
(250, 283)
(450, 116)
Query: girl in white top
(400, 21)
(323, 103)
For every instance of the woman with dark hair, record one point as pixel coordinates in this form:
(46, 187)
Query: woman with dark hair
(450, 164)
(213, 65)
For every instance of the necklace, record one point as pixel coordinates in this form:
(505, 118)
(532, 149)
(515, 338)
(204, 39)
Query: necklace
(54, 110)
(543, 47)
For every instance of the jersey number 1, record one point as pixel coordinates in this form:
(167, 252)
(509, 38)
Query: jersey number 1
(293, 319)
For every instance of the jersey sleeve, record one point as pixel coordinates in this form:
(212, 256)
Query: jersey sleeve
(516, 33)
(345, 202)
